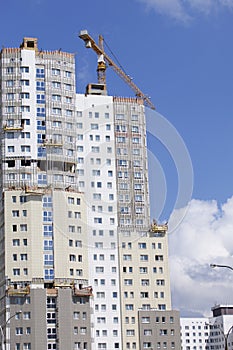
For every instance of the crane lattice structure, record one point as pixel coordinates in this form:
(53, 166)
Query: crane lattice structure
(103, 58)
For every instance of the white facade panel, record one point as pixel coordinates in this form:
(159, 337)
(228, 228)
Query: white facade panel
(95, 114)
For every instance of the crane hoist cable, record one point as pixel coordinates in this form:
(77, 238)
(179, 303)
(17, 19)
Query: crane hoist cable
(113, 55)
(104, 59)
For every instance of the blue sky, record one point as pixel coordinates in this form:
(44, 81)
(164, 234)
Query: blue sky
(180, 55)
(178, 52)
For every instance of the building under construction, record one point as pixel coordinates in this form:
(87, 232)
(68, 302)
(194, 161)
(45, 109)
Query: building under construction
(80, 262)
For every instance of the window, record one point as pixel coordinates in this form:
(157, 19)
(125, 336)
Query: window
(96, 172)
(10, 83)
(70, 200)
(23, 227)
(80, 160)
(16, 242)
(25, 135)
(25, 148)
(146, 319)
(76, 315)
(122, 162)
(9, 70)
(83, 330)
(94, 126)
(11, 149)
(134, 117)
(158, 257)
(68, 87)
(69, 113)
(26, 315)
(56, 71)
(115, 319)
(40, 86)
(160, 282)
(144, 257)
(161, 306)
(24, 69)
(146, 345)
(143, 269)
(56, 98)
(120, 116)
(72, 257)
(144, 295)
(95, 149)
(99, 269)
(142, 245)
(130, 332)
(138, 198)
(129, 307)
(40, 73)
(56, 111)
(19, 330)
(40, 98)
(79, 272)
(24, 82)
(98, 220)
(128, 282)
(10, 135)
(25, 109)
(145, 282)
(56, 84)
(10, 96)
(127, 257)
(23, 257)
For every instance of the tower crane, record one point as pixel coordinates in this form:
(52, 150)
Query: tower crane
(104, 60)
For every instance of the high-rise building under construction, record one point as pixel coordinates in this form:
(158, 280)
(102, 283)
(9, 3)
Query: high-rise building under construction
(79, 259)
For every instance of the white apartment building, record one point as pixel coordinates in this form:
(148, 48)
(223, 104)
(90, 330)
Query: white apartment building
(194, 333)
(43, 226)
(97, 179)
(209, 333)
(221, 325)
(79, 257)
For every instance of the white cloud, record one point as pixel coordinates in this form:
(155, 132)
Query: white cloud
(204, 237)
(185, 10)
(172, 8)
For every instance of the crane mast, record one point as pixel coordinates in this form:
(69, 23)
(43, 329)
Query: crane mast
(103, 58)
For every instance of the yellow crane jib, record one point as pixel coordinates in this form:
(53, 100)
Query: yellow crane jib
(104, 59)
